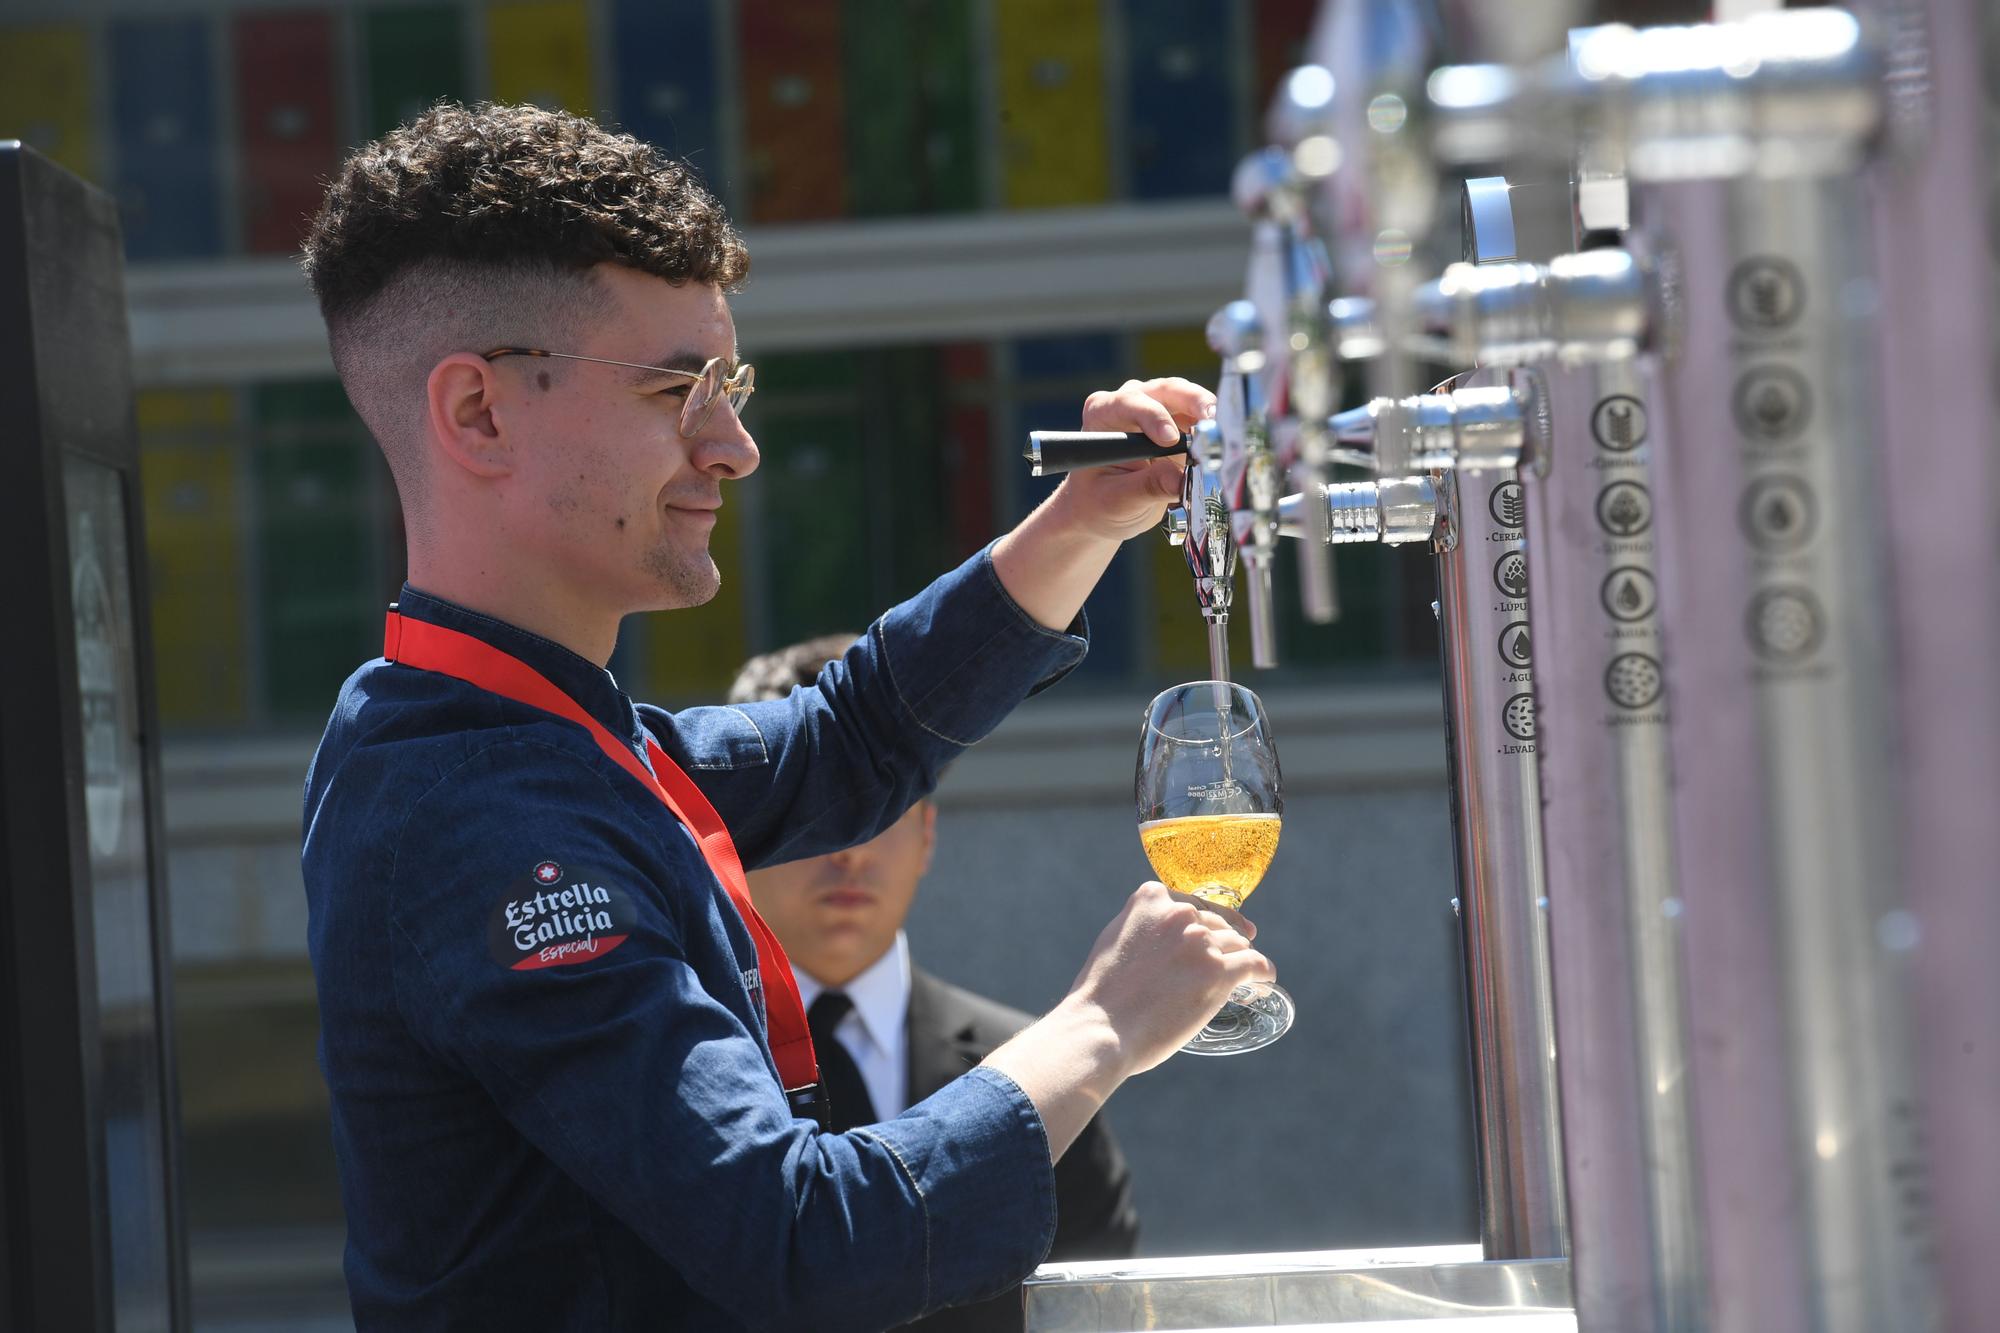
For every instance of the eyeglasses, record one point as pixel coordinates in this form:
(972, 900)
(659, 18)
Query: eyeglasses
(712, 383)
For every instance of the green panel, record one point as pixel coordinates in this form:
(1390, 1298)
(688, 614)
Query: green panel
(816, 500)
(781, 378)
(415, 55)
(319, 405)
(917, 149)
(317, 482)
(1369, 579)
(947, 55)
(909, 435)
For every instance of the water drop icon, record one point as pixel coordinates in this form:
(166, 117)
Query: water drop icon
(1520, 648)
(1629, 597)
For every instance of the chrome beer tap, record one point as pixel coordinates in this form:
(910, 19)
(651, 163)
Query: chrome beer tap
(1250, 468)
(1288, 282)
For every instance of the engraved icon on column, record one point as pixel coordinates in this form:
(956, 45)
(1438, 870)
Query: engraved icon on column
(1516, 650)
(1633, 680)
(1619, 423)
(1629, 594)
(1518, 716)
(1510, 575)
(1785, 624)
(1766, 294)
(1624, 509)
(1778, 514)
(1772, 403)
(1506, 504)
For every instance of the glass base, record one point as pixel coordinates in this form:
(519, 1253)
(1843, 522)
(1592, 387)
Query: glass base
(1254, 1016)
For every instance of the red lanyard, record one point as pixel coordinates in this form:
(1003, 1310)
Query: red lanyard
(418, 643)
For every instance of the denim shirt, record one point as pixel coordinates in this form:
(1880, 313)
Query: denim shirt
(594, 1136)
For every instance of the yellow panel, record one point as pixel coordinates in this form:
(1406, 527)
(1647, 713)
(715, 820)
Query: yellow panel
(540, 53)
(45, 94)
(160, 410)
(194, 541)
(1177, 352)
(1050, 57)
(692, 655)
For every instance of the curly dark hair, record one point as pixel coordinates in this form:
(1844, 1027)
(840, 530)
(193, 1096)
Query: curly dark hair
(508, 187)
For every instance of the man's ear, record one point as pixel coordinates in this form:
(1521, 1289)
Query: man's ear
(929, 808)
(459, 411)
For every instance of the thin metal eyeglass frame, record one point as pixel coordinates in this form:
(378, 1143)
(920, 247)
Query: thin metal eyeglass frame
(737, 387)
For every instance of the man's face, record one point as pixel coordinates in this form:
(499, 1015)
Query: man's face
(611, 493)
(837, 914)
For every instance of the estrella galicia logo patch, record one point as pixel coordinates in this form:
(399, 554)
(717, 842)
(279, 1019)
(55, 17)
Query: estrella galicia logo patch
(553, 918)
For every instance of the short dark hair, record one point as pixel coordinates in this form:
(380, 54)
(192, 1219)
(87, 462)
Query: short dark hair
(776, 674)
(478, 227)
(513, 186)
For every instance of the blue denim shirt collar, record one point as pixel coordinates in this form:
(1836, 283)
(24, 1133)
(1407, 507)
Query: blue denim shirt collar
(581, 679)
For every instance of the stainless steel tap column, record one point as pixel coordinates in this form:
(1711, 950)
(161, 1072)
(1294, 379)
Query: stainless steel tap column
(1383, 199)
(1942, 506)
(1785, 832)
(1488, 653)
(1614, 904)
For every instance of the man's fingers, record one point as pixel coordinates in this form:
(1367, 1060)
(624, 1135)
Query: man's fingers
(1131, 407)
(1248, 965)
(1188, 401)
(1222, 916)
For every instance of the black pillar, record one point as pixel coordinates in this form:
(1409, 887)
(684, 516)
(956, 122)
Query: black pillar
(91, 1238)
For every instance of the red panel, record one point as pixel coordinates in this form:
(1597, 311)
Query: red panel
(1282, 29)
(794, 111)
(967, 474)
(290, 140)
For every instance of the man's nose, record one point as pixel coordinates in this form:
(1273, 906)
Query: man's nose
(724, 449)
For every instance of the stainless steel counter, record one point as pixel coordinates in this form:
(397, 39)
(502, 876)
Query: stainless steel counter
(1436, 1288)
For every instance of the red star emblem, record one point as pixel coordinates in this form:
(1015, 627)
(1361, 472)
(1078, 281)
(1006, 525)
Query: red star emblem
(548, 872)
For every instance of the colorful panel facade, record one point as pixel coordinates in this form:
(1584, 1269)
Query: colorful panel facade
(194, 544)
(163, 121)
(319, 490)
(913, 141)
(668, 90)
(45, 92)
(793, 98)
(1279, 45)
(1180, 104)
(539, 52)
(289, 135)
(414, 56)
(1054, 135)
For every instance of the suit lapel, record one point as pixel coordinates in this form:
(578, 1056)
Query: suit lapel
(938, 1036)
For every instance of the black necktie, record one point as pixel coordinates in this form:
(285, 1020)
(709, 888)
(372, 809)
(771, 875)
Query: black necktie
(848, 1102)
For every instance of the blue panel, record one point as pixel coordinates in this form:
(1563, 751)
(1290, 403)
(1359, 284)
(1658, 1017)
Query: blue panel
(1065, 356)
(663, 55)
(1179, 108)
(164, 124)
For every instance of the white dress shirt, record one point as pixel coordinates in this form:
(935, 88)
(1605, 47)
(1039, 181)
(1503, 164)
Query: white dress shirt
(875, 1031)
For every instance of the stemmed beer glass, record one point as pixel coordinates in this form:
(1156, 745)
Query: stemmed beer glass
(1210, 811)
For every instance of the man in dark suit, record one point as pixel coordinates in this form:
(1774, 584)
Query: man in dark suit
(889, 1034)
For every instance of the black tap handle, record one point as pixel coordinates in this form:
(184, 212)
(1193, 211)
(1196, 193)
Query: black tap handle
(1051, 451)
